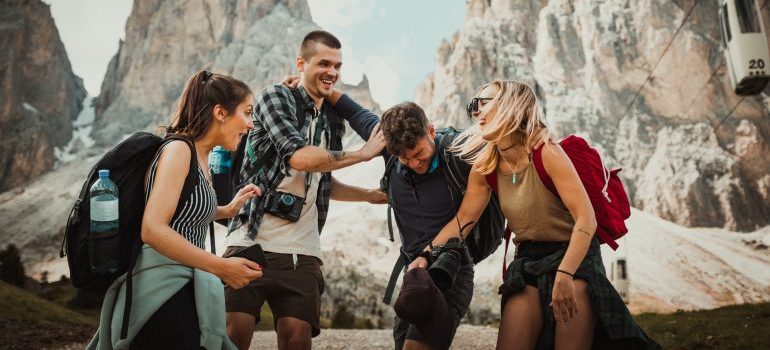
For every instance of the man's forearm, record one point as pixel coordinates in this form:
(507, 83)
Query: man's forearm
(348, 193)
(317, 159)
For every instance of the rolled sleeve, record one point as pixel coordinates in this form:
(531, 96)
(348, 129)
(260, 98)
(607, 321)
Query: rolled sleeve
(276, 108)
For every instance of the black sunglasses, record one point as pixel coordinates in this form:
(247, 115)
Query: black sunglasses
(473, 107)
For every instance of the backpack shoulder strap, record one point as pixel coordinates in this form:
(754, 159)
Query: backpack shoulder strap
(299, 108)
(385, 186)
(537, 161)
(191, 180)
(492, 180)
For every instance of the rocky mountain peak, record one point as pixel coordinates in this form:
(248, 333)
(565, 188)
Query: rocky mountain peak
(40, 96)
(693, 151)
(256, 41)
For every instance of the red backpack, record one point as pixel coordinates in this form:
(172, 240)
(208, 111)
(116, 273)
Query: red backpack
(604, 188)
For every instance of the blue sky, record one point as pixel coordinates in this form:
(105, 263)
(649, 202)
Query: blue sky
(393, 42)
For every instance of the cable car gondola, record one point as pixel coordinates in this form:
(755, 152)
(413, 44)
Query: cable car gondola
(744, 40)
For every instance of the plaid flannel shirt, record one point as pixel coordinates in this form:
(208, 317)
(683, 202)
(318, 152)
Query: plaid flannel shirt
(273, 141)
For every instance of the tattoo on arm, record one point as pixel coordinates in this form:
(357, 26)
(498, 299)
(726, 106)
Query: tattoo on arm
(584, 231)
(335, 156)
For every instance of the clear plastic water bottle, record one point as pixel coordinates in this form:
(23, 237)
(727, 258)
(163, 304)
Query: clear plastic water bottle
(104, 242)
(220, 161)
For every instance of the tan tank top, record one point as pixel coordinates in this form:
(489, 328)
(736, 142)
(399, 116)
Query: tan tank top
(532, 211)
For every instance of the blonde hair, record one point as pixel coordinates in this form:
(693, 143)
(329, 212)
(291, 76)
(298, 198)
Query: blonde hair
(517, 116)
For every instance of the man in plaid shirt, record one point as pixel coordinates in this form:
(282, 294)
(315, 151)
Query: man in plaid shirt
(295, 144)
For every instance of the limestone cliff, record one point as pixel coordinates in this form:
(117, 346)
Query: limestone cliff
(256, 41)
(40, 96)
(686, 157)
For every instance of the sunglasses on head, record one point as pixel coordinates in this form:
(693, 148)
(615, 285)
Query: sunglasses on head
(473, 107)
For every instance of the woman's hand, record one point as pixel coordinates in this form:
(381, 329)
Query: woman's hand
(563, 301)
(237, 272)
(247, 192)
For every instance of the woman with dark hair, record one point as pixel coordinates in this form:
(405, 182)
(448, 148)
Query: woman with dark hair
(178, 297)
(555, 293)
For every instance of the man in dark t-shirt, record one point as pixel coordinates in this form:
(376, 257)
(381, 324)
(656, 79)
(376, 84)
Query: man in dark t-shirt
(422, 202)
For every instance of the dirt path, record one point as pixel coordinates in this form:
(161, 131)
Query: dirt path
(467, 338)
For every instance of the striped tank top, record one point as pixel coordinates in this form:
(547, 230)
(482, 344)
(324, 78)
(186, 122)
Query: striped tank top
(198, 209)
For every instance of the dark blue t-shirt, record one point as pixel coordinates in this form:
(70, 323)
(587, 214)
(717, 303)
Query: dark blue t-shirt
(422, 204)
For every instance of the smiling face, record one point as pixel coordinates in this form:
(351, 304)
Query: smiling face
(235, 125)
(320, 71)
(418, 158)
(485, 113)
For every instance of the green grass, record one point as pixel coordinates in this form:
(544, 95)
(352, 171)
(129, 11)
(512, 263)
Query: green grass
(22, 305)
(744, 326)
(28, 321)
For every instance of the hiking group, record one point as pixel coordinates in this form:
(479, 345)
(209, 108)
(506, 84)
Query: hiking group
(455, 196)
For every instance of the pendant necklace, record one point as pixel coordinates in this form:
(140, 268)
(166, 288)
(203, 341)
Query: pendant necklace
(514, 175)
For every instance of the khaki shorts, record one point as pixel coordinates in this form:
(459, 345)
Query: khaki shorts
(289, 291)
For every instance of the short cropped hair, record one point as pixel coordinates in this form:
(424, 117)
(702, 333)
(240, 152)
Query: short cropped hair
(308, 47)
(403, 125)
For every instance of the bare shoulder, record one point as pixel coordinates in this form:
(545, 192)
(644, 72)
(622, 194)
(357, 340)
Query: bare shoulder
(555, 160)
(553, 154)
(476, 177)
(176, 154)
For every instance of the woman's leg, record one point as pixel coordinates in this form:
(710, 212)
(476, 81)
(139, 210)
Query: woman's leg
(521, 321)
(579, 333)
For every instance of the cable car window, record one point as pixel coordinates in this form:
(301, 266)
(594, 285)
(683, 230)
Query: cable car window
(723, 24)
(748, 18)
(726, 22)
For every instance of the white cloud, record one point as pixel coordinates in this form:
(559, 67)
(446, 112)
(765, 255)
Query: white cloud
(384, 81)
(340, 14)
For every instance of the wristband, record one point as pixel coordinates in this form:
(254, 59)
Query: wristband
(565, 272)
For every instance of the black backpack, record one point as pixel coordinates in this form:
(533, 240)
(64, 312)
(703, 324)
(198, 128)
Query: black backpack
(128, 163)
(488, 232)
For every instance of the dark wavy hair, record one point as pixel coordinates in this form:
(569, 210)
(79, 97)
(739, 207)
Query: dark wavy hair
(403, 125)
(203, 91)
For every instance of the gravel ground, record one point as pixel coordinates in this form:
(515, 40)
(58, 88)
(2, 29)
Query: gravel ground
(467, 338)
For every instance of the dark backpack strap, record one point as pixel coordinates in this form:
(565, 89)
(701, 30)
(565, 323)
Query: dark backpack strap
(385, 186)
(537, 161)
(213, 243)
(129, 293)
(505, 253)
(492, 181)
(401, 262)
(300, 107)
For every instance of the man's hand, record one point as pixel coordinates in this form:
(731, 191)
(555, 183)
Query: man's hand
(374, 145)
(376, 196)
(420, 263)
(538, 139)
(291, 81)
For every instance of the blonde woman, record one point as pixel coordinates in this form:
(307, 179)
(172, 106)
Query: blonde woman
(555, 293)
